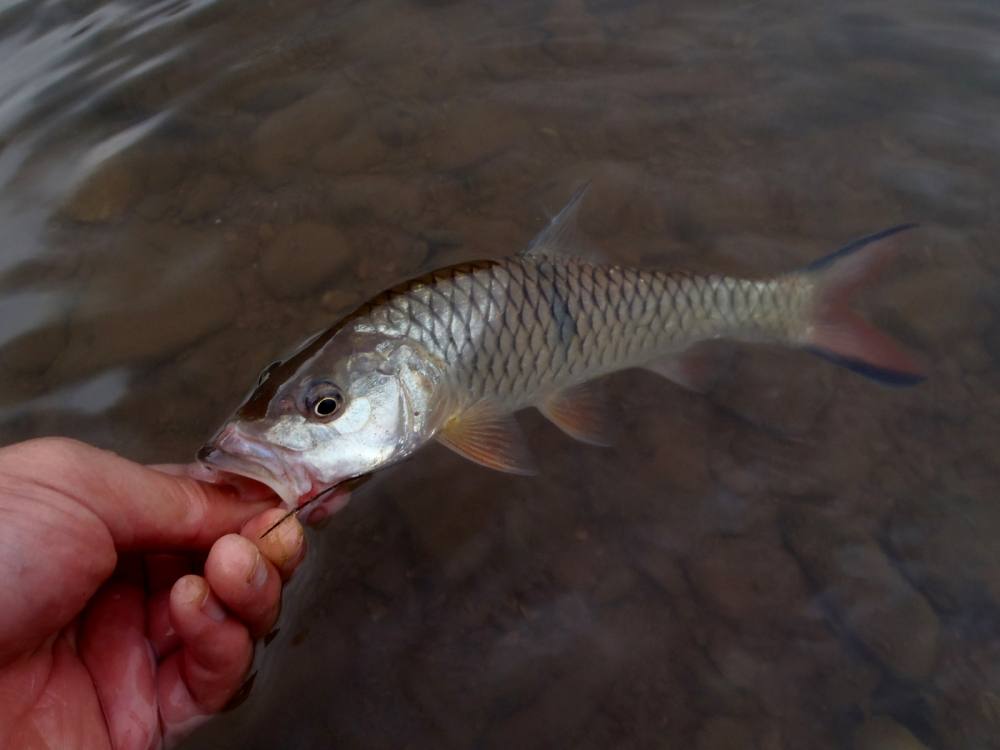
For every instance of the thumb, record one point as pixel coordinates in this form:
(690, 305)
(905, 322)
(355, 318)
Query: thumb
(142, 508)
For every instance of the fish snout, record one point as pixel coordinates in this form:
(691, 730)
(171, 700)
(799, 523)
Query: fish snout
(227, 440)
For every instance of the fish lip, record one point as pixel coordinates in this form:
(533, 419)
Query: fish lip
(229, 463)
(294, 495)
(233, 452)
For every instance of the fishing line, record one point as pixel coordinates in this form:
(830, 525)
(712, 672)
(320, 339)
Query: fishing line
(310, 503)
(350, 485)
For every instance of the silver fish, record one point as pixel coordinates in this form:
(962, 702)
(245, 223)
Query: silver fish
(452, 355)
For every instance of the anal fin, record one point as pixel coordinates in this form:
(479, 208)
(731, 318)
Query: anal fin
(581, 412)
(489, 437)
(698, 369)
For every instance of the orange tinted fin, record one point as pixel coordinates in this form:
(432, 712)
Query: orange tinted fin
(490, 438)
(581, 412)
(841, 335)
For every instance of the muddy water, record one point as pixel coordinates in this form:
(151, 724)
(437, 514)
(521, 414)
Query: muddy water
(800, 559)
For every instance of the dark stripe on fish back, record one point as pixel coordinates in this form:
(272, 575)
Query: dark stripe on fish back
(256, 405)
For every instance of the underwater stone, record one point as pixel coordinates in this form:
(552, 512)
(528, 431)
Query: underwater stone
(104, 195)
(726, 733)
(946, 543)
(206, 196)
(290, 137)
(303, 257)
(883, 733)
(871, 598)
(753, 582)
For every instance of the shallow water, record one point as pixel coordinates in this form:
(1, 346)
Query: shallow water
(801, 558)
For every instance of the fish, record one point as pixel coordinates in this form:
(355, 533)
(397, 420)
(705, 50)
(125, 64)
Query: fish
(452, 355)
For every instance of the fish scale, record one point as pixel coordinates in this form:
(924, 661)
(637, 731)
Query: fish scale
(518, 329)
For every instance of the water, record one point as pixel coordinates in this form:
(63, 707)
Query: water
(799, 559)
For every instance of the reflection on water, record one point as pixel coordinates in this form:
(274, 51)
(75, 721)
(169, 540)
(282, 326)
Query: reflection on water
(799, 559)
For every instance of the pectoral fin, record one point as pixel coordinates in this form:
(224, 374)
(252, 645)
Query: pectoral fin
(490, 438)
(581, 412)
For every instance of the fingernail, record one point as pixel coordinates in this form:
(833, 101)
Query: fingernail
(290, 535)
(211, 607)
(258, 576)
(188, 590)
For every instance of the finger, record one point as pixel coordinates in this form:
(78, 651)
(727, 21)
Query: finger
(245, 487)
(284, 545)
(114, 649)
(245, 581)
(195, 471)
(162, 571)
(159, 629)
(215, 649)
(141, 507)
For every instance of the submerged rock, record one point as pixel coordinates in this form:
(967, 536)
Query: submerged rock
(875, 603)
(777, 389)
(471, 131)
(947, 545)
(726, 733)
(292, 136)
(883, 733)
(117, 324)
(358, 151)
(398, 124)
(206, 196)
(302, 258)
(752, 582)
(104, 195)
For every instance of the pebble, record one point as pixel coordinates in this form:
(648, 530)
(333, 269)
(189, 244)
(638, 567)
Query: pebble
(872, 599)
(884, 733)
(186, 294)
(470, 131)
(398, 124)
(752, 582)
(792, 404)
(208, 195)
(726, 733)
(289, 138)
(922, 534)
(304, 257)
(105, 194)
(358, 151)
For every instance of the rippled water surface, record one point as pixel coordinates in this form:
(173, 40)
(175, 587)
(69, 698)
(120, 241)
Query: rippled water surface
(799, 559)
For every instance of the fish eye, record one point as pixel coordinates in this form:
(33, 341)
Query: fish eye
(324, 401)
(326, 406)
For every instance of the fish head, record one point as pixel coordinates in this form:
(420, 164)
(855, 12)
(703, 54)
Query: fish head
(338, 409)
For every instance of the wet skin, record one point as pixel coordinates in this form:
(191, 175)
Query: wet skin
(132, 596)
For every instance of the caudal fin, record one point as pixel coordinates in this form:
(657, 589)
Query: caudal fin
(840, 334)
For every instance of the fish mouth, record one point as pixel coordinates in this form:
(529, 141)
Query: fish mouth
(234, 453)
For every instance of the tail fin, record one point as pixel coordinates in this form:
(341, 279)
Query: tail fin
(841, 335)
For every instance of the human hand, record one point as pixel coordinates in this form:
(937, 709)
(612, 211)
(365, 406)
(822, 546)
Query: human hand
(106, 638)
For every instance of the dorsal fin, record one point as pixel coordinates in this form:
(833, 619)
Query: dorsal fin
(561, 236)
